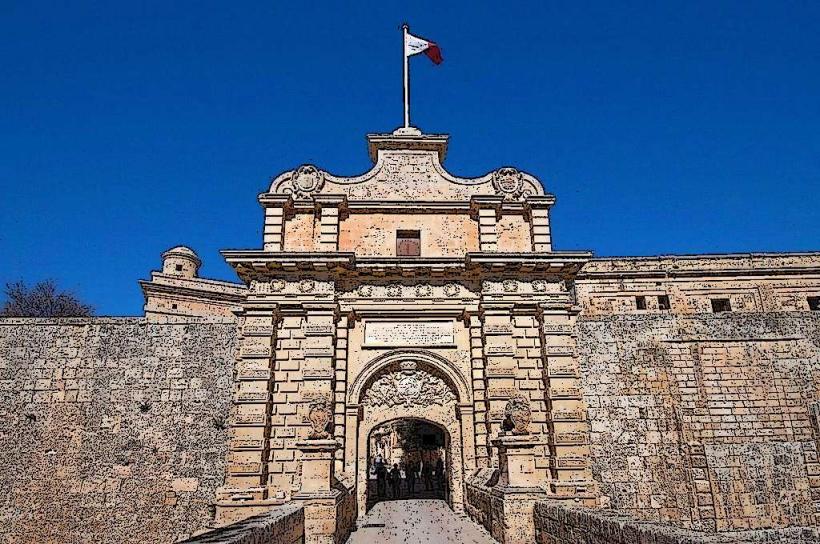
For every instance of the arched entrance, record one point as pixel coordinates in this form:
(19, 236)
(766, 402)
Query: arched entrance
(411, 386)
(409, 458)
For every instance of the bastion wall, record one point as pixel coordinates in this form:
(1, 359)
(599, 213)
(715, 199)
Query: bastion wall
(112, 430)
(705, 420)
(115, 429)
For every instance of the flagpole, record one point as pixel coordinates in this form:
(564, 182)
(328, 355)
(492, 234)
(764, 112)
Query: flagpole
(406, 76)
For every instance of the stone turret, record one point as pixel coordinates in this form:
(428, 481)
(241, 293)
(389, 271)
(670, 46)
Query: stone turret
(178, 293)
(180, 261)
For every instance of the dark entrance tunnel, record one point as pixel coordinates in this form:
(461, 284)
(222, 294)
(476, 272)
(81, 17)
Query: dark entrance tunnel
(408, 459)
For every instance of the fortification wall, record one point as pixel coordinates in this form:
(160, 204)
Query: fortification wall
(112, 429)
(705, 420)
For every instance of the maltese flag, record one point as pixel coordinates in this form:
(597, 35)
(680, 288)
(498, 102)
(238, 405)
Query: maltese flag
(413, 45)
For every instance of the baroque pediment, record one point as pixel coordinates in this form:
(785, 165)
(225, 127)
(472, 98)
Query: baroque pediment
(406, 168)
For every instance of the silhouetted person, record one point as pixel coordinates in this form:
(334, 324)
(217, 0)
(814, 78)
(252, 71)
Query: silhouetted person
(381, 477)
(411, 478)
(395, 481)
(427, 476)
(440, 473)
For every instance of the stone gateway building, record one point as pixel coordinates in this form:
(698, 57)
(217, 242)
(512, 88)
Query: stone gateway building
(414, 317)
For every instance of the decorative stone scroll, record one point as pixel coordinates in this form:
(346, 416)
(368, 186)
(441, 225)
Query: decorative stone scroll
(408, 386)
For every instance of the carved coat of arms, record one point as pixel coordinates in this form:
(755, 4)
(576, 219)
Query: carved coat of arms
(509, 183)
(306, 180)
(407, 387)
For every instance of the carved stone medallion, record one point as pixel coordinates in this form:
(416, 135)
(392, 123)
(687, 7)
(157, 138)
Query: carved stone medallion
(277, 285)
(508, 182)
(510, 286)
(451, 289)
(307, 285)
(423, 290)
(306, 181)
(394, 290)
(365, 290)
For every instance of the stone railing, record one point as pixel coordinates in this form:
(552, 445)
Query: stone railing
(478, 497)
(283, 525)
(558, 523)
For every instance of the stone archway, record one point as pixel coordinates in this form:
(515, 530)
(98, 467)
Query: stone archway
(414, 445)
(411, 385)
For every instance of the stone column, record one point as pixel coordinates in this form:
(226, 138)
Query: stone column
(273, 237)
(540, 226)
(487, 209)
(330, 209)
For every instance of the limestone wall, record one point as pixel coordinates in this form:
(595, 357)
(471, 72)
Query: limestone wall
(705, 420)
(688, 284)
(557, 523)
(284, 524)
(112, 429)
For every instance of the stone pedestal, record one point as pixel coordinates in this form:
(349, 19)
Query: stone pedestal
(317, 467)
(329, 511)
(518, 489)
(516, 460)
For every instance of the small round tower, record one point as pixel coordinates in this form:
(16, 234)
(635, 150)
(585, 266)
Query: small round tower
(180, 261)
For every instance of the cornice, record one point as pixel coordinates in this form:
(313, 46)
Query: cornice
(151, 288)
(693, 266)
(254, 263)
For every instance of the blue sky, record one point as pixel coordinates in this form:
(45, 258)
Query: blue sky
(662, 127)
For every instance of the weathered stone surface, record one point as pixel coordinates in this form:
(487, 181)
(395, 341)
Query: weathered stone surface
(113, 429)
(558, 523)
(704, 420)
(282, 525)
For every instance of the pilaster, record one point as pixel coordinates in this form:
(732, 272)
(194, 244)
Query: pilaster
(244, 489)
(340, 427)
(273, 236)
(330, 210)
(569, 453)
(487, 209)
(480, 408)
(540, 224)
(305, 354)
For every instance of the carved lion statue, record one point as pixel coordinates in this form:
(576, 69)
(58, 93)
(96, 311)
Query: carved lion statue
(517, 414)
(320, 414)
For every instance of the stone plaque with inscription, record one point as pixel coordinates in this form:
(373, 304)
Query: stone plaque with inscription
(408, 333)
